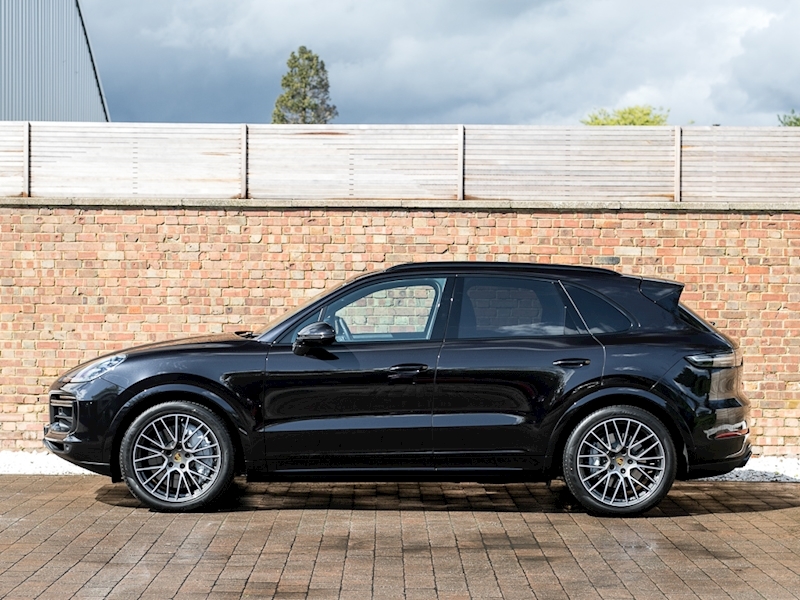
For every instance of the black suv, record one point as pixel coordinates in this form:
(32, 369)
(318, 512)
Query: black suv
(448, 371)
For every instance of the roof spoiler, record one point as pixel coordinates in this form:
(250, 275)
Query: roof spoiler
(666, 294)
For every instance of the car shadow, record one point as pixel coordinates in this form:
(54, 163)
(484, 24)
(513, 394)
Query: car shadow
(685, 498)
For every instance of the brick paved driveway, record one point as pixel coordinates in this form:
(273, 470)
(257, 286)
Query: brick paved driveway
(82, 537)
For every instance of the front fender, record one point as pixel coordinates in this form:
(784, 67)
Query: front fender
(241, 423)
(634, 396)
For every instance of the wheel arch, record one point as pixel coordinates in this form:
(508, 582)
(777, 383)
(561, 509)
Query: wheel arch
(639, 398)
(176, 391)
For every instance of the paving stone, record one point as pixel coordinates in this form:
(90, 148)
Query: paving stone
(84, 537)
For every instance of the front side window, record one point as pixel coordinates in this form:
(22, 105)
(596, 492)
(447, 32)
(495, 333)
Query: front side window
(492, 307)
(399, 310)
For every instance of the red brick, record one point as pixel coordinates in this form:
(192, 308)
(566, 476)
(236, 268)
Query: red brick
(75, 283)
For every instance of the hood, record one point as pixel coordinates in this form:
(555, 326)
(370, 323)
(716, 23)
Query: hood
(204, 341)
(199, 342)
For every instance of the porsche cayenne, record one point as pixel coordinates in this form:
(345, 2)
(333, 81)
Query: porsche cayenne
(488, 372)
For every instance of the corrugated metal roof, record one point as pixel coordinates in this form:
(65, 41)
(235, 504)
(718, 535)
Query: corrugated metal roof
(47, 71)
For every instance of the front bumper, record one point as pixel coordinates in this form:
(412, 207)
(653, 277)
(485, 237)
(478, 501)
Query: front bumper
(72, 449)
(76, 432)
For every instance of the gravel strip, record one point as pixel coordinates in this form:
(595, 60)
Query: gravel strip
(761, 468)
(36, 463)
(765, 468)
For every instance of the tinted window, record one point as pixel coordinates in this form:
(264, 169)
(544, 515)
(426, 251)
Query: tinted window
(599, 314)
(511, 307)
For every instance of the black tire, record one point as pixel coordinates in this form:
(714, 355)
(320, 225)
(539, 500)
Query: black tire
(619, 461)
(177, 456)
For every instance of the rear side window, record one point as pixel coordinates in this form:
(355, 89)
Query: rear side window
(496, 307)
(600, 315)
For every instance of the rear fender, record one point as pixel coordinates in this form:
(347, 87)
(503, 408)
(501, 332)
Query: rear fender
(641, 398)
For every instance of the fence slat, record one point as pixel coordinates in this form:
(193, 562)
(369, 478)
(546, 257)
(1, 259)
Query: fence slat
(110, 159)
(529, 163)
(736, 164)
(353, 162)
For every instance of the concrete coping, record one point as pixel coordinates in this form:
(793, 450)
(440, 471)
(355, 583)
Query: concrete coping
(398, 203)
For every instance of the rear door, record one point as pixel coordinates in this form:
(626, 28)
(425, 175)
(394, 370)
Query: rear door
(514, 351)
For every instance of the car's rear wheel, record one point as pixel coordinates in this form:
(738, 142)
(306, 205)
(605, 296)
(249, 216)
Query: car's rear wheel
(177, 456)
(619, 461)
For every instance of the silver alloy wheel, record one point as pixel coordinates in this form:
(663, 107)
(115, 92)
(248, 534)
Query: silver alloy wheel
(176, 457)
(621, 462)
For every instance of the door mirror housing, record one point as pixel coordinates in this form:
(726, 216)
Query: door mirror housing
(311, 336)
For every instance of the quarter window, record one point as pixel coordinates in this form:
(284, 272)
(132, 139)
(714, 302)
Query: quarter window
(599, 314)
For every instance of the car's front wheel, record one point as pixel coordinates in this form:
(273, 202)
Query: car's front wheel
(177, 456)
(619, 461)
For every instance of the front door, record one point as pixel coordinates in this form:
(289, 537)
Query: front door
(364, 403)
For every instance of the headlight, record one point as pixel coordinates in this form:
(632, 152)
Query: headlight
(97, 369)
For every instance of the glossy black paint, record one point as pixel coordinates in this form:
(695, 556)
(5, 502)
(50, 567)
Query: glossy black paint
(439, 407)
(350, 406)
(226, 372)
(493, 397)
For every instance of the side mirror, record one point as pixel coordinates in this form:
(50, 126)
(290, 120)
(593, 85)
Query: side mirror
(311, 336)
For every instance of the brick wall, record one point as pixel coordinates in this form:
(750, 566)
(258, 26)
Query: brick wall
(78, 282)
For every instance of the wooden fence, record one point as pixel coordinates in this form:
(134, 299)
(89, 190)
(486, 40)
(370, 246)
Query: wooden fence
(420, 162)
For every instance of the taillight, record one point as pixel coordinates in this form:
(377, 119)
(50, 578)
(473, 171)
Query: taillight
(722, 360)
(722, 377)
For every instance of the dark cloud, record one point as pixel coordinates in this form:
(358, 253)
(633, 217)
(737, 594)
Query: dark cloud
(203, 87)
(444, 61)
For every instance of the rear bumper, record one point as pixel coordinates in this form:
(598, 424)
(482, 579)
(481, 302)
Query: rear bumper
(719, 467)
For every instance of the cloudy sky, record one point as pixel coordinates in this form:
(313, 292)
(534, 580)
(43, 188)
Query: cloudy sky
(539, 62)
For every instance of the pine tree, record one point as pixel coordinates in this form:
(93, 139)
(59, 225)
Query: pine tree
(305, 97)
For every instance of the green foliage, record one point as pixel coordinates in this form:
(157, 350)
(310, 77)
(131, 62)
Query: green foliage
(642, 114)
(790, 120)
(305, 97)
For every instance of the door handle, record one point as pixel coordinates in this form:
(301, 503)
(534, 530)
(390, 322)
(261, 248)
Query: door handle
(574, 363)
(406, 371)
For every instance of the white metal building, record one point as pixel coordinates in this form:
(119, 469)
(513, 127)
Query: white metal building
(47, 72)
